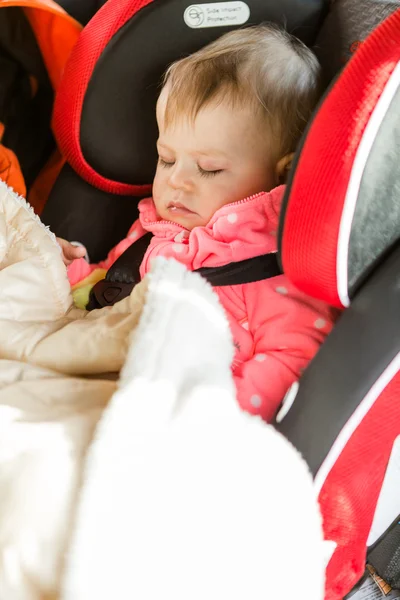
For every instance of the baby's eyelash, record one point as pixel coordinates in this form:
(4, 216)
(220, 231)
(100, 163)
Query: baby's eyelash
(205, 173)
(166, 164)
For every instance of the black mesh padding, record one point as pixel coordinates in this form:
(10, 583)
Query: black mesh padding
(347, 25)
(385, 556)
(79, 212)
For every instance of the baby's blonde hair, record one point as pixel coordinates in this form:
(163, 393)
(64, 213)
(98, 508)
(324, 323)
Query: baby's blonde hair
(262, 67)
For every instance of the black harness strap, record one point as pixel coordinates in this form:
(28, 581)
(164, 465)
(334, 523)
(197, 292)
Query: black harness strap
(244, 271)
(124, 274)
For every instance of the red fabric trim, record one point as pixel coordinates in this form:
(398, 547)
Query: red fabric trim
(69, 102)
(350, 494)
(313, 215)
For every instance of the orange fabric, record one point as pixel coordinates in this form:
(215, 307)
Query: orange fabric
(41, 187)
(55, 40)
(10, 171)
(56, 32)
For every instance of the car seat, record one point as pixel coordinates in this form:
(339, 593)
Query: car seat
(344, 415)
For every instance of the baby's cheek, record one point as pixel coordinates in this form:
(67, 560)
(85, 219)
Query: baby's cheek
(156, 190)
(159, 184)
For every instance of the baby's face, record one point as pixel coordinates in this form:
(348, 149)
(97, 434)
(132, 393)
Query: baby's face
(221, 158)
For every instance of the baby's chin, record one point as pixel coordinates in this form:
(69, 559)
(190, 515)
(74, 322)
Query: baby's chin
(188, 224)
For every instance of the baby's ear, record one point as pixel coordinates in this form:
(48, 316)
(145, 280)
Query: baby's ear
(283, 167)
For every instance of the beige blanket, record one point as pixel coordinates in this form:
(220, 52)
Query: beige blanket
(58, 369)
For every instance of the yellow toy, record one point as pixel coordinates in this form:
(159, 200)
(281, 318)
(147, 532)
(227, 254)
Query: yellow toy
(81, 290)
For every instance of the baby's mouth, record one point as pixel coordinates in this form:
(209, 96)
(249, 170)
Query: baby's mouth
(176, 208)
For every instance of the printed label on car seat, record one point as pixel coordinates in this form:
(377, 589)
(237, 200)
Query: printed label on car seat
(216, 14)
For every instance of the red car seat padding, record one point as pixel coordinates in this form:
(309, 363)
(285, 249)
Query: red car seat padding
(350, 492)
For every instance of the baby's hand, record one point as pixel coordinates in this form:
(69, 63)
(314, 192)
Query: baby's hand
(70, 252)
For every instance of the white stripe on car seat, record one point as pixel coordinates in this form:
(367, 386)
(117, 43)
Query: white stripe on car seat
(357, 171)
(358, 415)
(288, 400)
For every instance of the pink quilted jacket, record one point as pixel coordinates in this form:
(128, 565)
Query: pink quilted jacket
(276, 328)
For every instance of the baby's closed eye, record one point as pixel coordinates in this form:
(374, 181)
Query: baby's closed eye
(208, 173)
(165, 163)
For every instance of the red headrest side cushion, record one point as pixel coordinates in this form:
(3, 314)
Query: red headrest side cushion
(321, 199)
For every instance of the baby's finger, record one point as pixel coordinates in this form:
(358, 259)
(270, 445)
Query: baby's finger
(77, 251)
(70, 251)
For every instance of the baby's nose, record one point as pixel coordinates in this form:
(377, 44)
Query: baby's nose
(179, 179)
